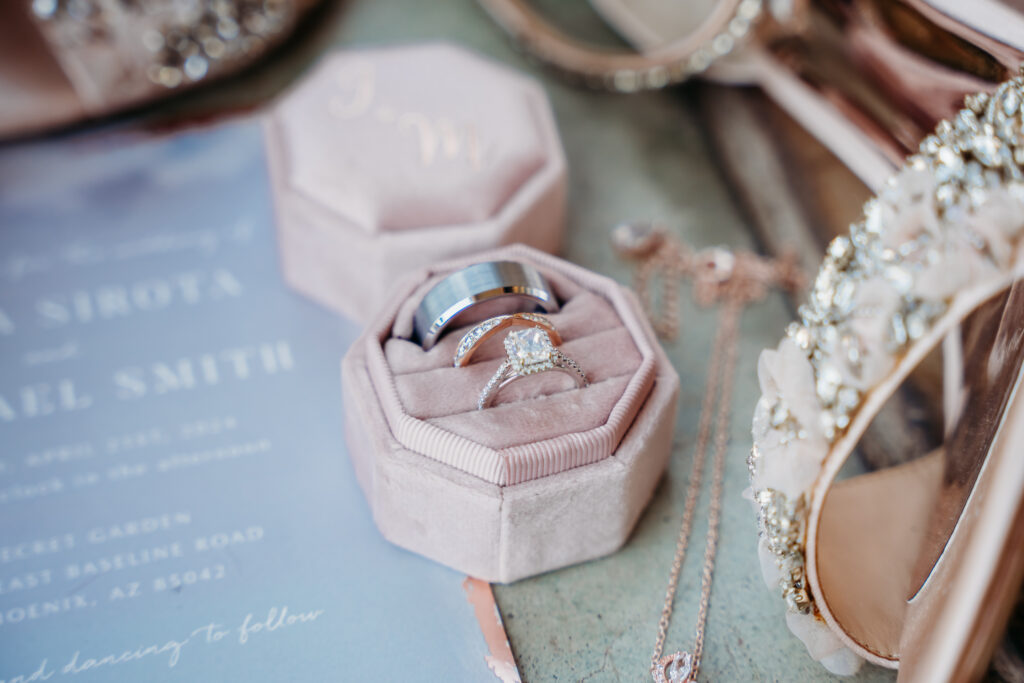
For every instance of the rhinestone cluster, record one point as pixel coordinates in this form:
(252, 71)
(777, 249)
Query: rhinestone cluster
(780, 524)
(876, 293)
(217, 31)
(184, 38)
(981, 149)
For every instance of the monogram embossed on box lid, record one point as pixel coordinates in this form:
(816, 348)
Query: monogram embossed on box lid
(400, 139)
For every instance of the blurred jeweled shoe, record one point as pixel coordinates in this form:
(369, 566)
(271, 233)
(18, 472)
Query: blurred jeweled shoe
(62, 61)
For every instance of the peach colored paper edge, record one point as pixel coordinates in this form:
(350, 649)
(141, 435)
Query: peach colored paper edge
(500, 660)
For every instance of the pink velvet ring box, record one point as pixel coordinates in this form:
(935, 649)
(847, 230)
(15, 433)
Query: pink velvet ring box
(385, 160)
(551, 475)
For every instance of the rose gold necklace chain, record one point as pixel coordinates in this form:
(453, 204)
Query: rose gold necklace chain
(736, 280)
(720, 371)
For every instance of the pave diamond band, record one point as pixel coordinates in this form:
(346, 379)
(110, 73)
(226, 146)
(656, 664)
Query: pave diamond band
(530, 351)
(477, 285)
(476, 337)
(950, 220)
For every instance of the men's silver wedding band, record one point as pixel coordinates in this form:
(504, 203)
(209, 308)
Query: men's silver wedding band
(477, 284)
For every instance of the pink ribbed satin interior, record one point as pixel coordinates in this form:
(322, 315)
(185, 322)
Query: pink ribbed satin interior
(540, 424)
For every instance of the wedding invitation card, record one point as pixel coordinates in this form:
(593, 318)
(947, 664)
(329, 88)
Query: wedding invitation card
(176, 502)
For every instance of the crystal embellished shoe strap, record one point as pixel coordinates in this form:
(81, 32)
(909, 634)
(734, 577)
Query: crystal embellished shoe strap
(945, 233)
(728, 24)
(117, 52)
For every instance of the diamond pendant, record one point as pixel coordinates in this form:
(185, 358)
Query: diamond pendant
(675, 668)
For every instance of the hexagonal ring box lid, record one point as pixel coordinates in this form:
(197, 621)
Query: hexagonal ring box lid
(385, 160)
(552, 474)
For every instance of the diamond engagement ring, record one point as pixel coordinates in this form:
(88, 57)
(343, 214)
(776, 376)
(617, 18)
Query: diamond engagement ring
(479, 335)
(530, 351)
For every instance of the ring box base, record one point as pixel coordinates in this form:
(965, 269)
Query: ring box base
(549, 503)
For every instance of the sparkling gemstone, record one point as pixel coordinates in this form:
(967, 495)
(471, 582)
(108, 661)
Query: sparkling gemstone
(800, 334)
(976, 102)
(1009, 101)
(840, 250)
(752, 460)
(944, 129)
(827, 336)
(44, 9)
(829, 380)
(749, 9)
(873, 217)
(529, 349)
(947, 196)
(828, 425)
(794, 592)
(739, 26)
(898, 330)
(987, 148)
(842, 296)
(195, 67)
(723, 43)
(917, 323)
(779, 414)
(847, 399)
(824, 286)
(657, 77)
(950, 165)
(966, 123)
(1009, 130)
(700, 60)
(930, 145)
